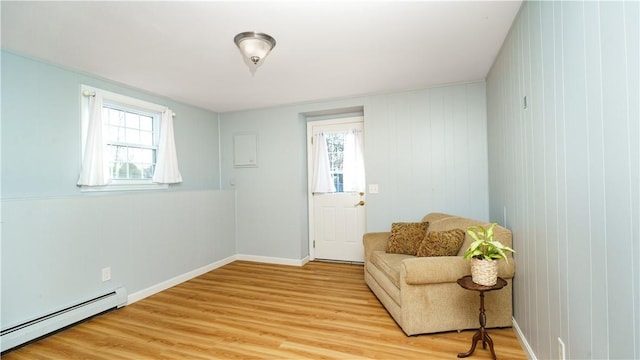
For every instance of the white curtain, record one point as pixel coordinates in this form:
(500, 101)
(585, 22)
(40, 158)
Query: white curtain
(322, 180)
(167, 159)
(95, 166)
(353, 163)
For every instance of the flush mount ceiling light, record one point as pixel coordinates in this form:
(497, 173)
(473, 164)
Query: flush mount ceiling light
(254, 46)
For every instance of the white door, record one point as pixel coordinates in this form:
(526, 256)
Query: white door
(337, 218)
(339, 223)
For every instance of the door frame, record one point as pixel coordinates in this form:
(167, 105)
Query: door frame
(310, 212)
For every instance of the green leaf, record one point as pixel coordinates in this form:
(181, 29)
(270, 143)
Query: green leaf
(473, 234)
(483, 246)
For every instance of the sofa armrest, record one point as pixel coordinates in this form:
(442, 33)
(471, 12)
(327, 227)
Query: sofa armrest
(444, 269)
(374, 241)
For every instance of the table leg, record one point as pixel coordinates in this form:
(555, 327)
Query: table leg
(481, 334)
(476, 337)
(488, 340)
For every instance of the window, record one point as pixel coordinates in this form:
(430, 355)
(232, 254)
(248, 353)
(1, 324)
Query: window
(335, 150)
(337, 157)
(127, 151)
(131, 141)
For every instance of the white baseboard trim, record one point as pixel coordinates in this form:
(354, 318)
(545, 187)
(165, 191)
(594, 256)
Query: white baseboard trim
(139, 295)
(523, 341)
(273, 260)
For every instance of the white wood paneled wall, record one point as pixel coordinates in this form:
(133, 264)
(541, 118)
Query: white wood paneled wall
(564, 174)
(427, 150)
(53, 249)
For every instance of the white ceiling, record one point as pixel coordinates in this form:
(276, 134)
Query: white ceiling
(325, 49)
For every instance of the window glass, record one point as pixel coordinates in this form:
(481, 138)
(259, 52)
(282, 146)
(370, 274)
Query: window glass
(132, 142)
(335, 147)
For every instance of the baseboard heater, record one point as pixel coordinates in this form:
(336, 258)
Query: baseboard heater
(37, 328)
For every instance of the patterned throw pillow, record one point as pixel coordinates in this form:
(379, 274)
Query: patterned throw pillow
(441, 243)
(405, 237)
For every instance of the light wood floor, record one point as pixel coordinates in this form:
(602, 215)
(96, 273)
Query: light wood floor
(248, 310)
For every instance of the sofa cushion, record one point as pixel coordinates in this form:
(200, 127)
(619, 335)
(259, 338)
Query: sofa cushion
(441, 243)
(406, 237)
(441, 222)
(389, 264)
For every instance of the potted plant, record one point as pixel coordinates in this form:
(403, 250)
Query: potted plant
(484, 253)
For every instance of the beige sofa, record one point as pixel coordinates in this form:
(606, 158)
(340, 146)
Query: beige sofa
(421, 293)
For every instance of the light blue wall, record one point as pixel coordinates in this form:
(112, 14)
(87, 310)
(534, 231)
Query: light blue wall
(56, 240)
(425, 149)
(565, 173)
(41, 111)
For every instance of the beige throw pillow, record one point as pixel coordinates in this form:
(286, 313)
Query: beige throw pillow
(441, 243)
(406, 237)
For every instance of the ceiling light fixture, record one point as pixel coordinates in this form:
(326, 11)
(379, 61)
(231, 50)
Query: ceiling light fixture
(254, 47)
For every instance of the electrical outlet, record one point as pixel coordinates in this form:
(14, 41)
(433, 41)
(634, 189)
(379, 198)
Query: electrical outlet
(561, 351)
(106, 274)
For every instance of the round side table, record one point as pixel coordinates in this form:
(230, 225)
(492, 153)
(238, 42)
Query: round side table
(481, 334)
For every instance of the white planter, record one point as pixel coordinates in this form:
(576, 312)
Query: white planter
(484, 272)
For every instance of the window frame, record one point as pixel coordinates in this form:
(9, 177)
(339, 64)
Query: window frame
(127, 103)
(155, 130)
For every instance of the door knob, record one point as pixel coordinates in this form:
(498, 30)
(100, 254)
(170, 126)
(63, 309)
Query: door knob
(360, 203)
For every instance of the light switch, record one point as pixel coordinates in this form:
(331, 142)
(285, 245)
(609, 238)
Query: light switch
(373, 188)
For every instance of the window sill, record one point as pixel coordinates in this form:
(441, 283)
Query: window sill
(124, 187)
